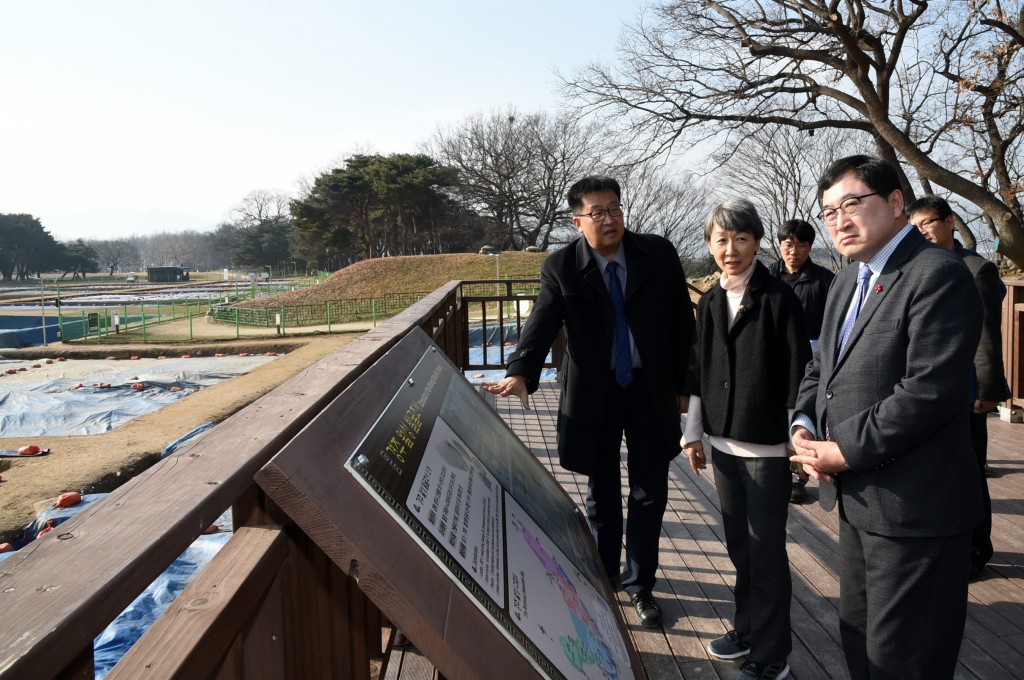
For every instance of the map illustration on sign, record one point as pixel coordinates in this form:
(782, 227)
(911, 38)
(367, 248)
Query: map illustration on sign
(452, 473)
(561, 611)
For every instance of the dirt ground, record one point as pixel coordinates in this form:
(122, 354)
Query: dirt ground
(95, 463)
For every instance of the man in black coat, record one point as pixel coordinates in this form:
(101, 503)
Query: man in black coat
(623, 302)
(934, 218)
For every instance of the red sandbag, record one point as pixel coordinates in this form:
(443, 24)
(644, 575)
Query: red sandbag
(6, 547)
(29, 450)
(66, 500)
(138, 387)
(50, 526)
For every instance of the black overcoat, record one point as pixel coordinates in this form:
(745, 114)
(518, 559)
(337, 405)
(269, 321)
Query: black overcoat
(573, 295)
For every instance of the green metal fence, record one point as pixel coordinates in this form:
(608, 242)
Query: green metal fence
(140, 320)
(325, 314)
(100, 322)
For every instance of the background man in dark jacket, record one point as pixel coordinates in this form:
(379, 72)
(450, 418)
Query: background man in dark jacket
(623, 302)
(810, 282)
(934, 218)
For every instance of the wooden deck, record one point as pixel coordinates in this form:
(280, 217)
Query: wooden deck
(696, 577)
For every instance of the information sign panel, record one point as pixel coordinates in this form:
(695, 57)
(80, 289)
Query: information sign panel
(471, 494)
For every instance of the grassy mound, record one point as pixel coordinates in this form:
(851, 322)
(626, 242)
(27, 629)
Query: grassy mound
(407, 274)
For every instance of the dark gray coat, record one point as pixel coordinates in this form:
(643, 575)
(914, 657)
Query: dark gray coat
(895, 399)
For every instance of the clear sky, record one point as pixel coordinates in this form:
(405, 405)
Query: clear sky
(124, 117)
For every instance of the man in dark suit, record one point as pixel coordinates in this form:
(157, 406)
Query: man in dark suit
(623, 302)
(880, 421)
(934, 219)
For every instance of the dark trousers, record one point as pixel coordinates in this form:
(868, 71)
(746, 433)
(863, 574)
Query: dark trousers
(902, 604)
(981, 540)
(754, 494)
(629, 411)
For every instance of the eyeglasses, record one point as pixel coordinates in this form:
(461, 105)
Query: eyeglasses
(598, 215)
(924, 224)
(850, 207)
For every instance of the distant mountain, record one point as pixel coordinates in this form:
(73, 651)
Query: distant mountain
(110, 223)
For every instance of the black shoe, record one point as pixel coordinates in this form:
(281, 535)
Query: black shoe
(798, 494)
(755, 670)
(977, 567)
(647, 609)
(732, 645)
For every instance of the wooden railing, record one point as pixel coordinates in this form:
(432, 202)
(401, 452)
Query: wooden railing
(270, 604)
(1013, 341)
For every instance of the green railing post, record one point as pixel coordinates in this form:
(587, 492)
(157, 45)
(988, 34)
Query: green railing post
(124, 315)
(158, 318)
(173, 316)
(328, 316)
(373, 311)
(237, 331)
(85, 325)
(284, 330)
(189, 312)
(142, 313)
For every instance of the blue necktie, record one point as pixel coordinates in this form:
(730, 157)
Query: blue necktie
(864, 279)
(623, 355)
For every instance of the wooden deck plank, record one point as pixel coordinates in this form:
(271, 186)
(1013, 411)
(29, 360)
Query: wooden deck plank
(696, 576)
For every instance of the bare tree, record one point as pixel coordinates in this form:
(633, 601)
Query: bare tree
(661, 201)
(515, 168)
(937, 85)
(262, 207)
(115, 254)
(179, 248)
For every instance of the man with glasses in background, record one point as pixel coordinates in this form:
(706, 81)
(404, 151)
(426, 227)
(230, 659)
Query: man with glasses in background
(934, 219)
(880, 422)
(623, 302)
